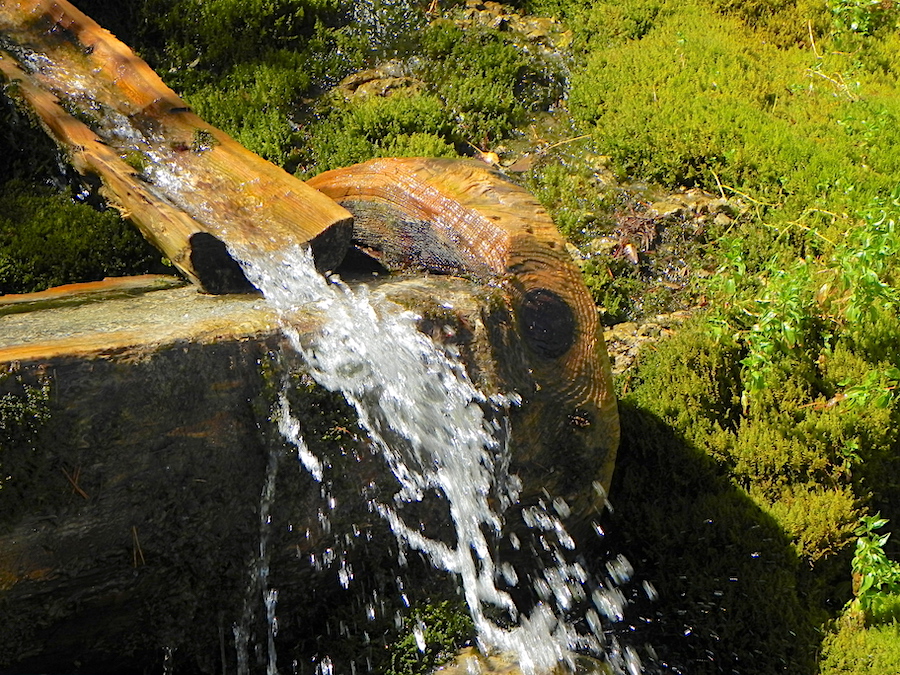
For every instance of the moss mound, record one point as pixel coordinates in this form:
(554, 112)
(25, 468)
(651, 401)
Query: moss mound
(48, 239)
(855, 649)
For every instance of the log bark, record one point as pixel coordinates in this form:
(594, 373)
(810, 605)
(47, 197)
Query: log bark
(193, 191)
(460, 217)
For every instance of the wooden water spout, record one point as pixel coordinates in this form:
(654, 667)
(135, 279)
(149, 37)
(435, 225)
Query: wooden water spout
(460, 217)
(188, 186)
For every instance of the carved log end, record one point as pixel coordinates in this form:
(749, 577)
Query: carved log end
(412, 212)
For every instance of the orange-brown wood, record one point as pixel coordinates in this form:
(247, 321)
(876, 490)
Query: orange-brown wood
(188, 186)
(463, 218)
(90, 291)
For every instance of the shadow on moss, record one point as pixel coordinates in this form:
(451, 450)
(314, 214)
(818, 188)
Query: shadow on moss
(733, 595)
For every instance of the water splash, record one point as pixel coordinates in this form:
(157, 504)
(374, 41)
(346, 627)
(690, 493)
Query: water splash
(441, 436)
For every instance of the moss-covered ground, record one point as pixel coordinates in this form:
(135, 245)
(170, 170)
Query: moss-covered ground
(758, 437)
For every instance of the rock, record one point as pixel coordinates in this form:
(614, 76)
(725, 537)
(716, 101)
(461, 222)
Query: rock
(723, 219)
(625, 340)
(544, 31)
(538, 28)
(470, 661)
(385, 80)
(575, 253)
(663, 209)
(720, 205)
(696, 200)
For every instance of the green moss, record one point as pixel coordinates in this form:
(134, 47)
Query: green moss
(254, 101)
(703, 377)
(785, 22)
(432, 634)
(617, 288)
(217, 34)
(818, 520)
(700, 97)
(489, 84)
(377, 127)
(136, 160)
(579, 206)
(418, 144)
(24, 412)
(791, 460)
(202, 140)
(856, 650)
(478, 87)
(47, 239)
(733, 595)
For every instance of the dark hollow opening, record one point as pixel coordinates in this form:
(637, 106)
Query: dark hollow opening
(218, 272)
(547, 323)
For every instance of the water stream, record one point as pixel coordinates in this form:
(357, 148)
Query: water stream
(443, 439)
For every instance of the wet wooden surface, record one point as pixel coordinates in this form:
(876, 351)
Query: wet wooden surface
(130, 522)
(194, 192)
(461, 217)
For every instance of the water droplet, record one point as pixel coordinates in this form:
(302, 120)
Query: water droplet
(419, 635)
(325, 666)
(561, 507)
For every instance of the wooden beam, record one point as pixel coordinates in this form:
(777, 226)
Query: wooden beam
(193, 191)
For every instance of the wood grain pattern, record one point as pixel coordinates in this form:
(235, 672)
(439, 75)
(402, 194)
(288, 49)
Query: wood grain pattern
(171, 173)
(460, 217)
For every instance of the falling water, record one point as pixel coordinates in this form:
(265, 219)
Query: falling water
(440, 435)
(259, 581)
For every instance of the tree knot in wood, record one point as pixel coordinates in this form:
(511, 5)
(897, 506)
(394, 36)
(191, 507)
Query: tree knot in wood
(547, 323)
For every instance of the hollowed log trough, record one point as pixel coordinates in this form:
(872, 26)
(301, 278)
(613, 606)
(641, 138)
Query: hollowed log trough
(139, 433)
(197, 194)
(130, 513)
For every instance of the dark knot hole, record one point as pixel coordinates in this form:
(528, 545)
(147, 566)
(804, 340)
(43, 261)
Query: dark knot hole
(547, 323)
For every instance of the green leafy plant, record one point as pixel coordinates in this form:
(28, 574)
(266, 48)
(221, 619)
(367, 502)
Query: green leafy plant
(434, 632)
(799, 309)
(877, 388)
(862, 16)
(865, 262)
(877, 578)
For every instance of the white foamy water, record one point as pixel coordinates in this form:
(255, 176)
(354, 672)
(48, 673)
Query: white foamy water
(439, 435)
